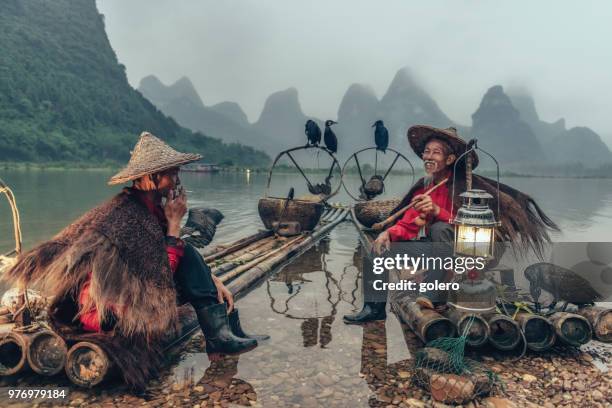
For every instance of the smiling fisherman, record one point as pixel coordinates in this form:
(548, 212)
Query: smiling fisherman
(427, 225)
(116, 273)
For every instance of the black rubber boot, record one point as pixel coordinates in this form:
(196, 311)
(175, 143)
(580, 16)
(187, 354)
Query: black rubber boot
(219, 337)
(234, 322)
(371, 311)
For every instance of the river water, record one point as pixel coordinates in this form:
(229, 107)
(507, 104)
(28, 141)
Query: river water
(312, 358)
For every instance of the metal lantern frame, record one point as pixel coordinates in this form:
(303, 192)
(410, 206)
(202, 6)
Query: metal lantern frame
(473, 213)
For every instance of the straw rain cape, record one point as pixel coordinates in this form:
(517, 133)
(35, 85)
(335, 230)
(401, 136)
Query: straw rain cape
(523, 223)
(121, 244)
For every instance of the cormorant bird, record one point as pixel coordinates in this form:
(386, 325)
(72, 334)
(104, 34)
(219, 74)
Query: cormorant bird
(313, 133)
(329, 137)
(201, 226)
(563, 284)
(381, 136)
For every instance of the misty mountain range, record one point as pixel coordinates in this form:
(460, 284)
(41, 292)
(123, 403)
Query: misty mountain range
(506, 124)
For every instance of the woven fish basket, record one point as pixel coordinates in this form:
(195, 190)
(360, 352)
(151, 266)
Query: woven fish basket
(369, 213)
(306, 213)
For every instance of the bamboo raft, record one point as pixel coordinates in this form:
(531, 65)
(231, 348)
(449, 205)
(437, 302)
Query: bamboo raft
(502, 332)
(240, 265)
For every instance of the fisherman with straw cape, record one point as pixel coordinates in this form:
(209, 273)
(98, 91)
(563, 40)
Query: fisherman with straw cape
(427, 224)
(117, 273)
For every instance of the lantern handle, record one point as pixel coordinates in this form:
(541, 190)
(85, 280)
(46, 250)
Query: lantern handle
(473, 146)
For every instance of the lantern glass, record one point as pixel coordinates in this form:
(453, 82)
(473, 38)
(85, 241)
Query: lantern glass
(475, 225)
(474, 241)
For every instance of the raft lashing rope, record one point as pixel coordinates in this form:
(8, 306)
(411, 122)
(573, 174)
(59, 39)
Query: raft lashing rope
(442, 369)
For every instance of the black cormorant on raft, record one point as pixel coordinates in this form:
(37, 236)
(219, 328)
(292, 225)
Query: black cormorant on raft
(562, 283)
(329, 137)
(313, 133)
(381, 136)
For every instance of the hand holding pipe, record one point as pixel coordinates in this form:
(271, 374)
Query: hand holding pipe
(379, 226)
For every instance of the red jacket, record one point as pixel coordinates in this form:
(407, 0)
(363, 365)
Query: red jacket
(89, 319)
(406, 229)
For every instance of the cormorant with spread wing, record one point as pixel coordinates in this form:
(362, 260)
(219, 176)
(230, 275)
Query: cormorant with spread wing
(313, 133)
(562, 283)
(329, 137)
(381, 136)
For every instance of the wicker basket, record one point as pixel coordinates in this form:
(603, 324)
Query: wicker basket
(306, 213)
(369, 213)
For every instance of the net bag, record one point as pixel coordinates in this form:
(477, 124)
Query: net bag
(442, 369)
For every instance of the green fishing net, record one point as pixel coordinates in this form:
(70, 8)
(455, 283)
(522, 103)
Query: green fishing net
(442, 369)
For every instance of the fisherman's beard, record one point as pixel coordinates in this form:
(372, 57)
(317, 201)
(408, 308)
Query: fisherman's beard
(430, 166)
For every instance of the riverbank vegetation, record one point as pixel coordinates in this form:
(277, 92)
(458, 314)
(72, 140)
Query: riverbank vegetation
(65, 98)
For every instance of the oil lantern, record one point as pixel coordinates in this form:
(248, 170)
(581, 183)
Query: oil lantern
(475, 226)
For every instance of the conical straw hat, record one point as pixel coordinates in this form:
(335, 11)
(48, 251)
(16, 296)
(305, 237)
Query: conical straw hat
(419, 135)
(151, 155)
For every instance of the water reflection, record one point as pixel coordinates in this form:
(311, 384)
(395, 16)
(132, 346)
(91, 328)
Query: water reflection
(297, 293)
(217, 379)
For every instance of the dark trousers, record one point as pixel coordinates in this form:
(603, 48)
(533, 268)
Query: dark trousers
(439, 242)
(194, 281)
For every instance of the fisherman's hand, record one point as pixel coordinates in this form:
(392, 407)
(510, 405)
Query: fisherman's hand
(223, 294)
(382, 243)
(425, 205)
(175, 209)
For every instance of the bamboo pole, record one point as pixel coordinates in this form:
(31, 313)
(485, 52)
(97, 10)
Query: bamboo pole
(504, 332)
(379, 226)
(237, 271)
(248, 249)
(468, 171)
(245, 257)
(330, 214)
(247, 279)
(46, 353)
(539, 332)
(13, 353)
(236, 245)
(87, 364)
(601, 322)
(427, 324)
(472, 325)
(571, 328)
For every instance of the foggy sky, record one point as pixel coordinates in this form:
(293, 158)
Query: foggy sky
(244, 50)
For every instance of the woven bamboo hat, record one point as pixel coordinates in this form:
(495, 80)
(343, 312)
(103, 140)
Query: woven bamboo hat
(419, 135)
(151, 155)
